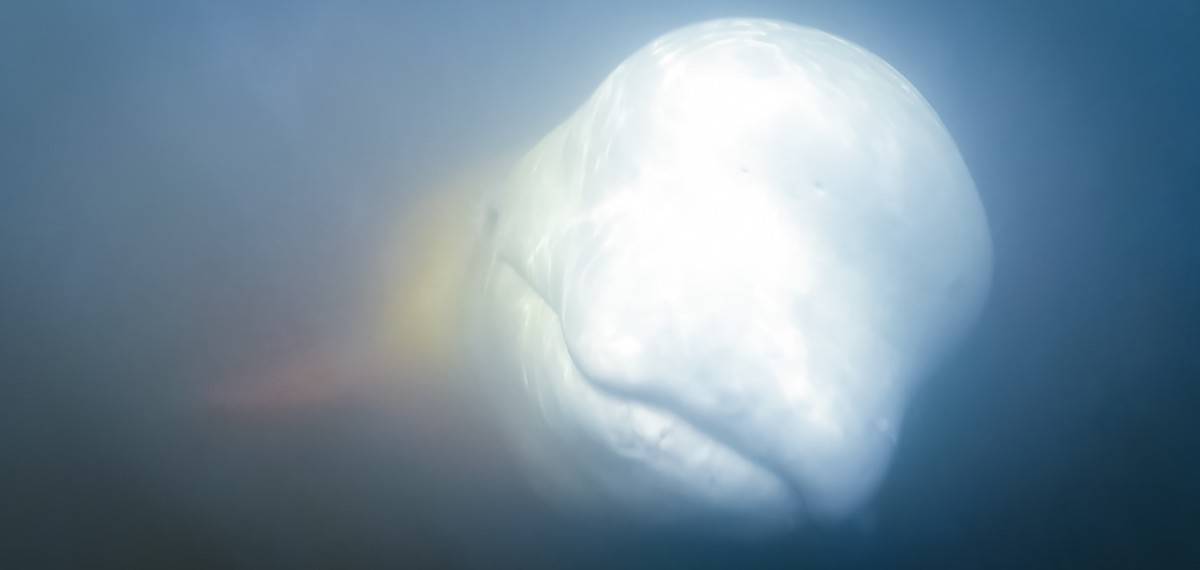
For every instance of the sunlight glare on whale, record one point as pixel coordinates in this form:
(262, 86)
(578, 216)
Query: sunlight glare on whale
(706, 297)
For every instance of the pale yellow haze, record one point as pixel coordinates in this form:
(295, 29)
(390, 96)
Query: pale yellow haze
(426, 268)
(401, 335)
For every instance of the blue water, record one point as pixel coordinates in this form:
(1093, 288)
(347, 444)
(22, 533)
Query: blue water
(193, 190)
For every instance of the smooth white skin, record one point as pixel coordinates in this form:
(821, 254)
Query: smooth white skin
(708, 294)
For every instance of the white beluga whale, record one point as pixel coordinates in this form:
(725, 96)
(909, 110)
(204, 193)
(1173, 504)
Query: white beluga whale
(708, 294)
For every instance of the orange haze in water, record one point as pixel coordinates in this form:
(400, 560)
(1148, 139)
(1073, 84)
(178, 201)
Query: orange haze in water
(408, 336)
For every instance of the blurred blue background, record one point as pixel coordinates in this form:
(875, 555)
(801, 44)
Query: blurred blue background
(192, 190)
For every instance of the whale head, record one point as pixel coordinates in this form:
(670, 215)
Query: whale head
(709, 293)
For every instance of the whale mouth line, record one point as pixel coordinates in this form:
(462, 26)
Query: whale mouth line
(654, 404)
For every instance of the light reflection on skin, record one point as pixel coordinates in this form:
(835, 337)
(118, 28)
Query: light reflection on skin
(718, 281)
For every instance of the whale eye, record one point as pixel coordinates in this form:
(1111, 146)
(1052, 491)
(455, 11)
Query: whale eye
(683, 325)
(490, 220)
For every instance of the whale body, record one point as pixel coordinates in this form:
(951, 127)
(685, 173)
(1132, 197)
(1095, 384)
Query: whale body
(708, 294)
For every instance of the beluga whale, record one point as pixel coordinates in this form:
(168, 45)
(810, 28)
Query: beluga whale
(707, 296)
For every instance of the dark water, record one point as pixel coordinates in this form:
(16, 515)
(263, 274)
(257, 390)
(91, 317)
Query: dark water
(193, 190)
